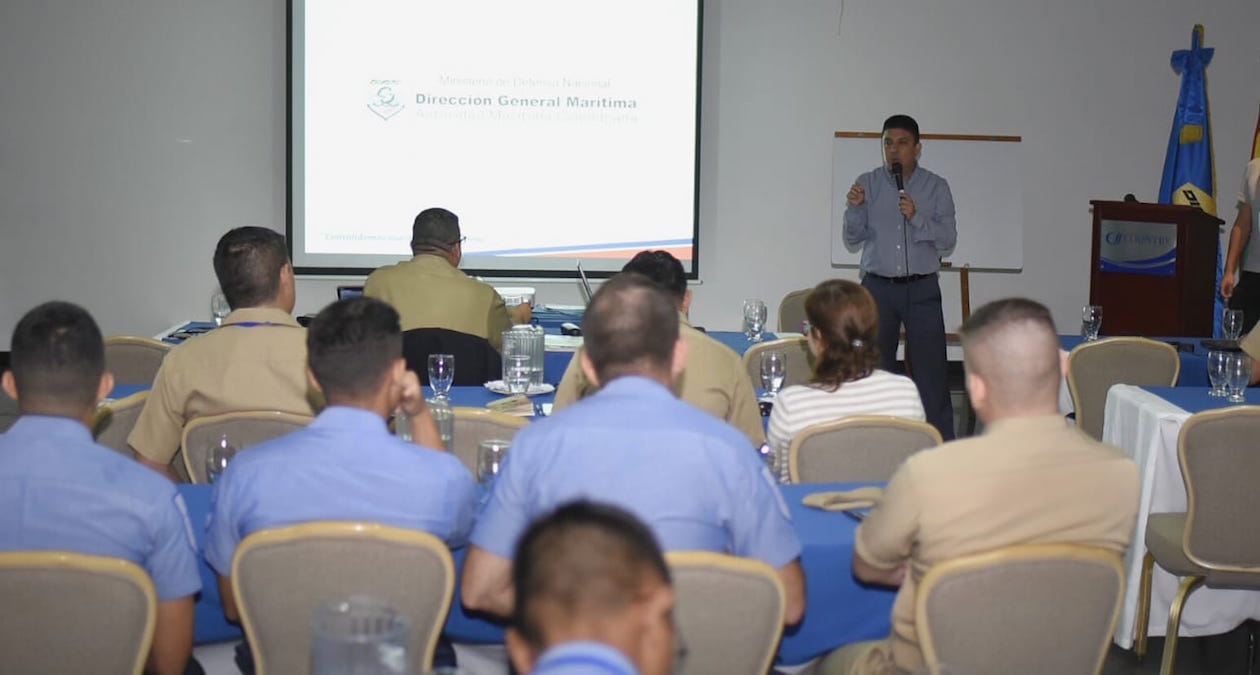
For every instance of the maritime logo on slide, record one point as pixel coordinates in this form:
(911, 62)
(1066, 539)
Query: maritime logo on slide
(383, 98)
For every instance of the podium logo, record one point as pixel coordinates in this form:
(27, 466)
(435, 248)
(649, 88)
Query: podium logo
(1137, 248)
(383, 98)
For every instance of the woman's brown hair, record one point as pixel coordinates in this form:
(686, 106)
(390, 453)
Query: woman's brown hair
(845, 319)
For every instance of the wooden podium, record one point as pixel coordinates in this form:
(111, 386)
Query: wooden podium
(1153, 268)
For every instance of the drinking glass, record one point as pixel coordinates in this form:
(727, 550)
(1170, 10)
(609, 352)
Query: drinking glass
(219, 308)
(218, 455)
(1231, 324)
(444, 417)
(359, 635)
(1238, 373)
(441, 374)
(517, 373)
(490, 456)
(773, 370)
(1091, 321)
(1217, 360)
(754, 319)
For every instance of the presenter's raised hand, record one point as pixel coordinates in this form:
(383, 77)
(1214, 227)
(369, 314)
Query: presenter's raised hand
(907, 206)
(1227, 286)
(857, 195)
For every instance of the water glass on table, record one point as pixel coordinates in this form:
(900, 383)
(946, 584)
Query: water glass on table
(754, 319)
(1238, 372)
(490, 456)
(441, 374)
(219, 308)
(773, 370)
(360, 635)
(1091, 321)
(1216, 364)
(517, 373)
(220, 452)
(1231, 324)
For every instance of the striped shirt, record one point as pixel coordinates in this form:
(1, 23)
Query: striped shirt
(880, 393)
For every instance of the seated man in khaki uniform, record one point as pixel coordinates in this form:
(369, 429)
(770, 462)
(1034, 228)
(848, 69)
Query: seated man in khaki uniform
(1031, 478)
(1251, 345)
(255, 361)
(429, 291)
(713, 378)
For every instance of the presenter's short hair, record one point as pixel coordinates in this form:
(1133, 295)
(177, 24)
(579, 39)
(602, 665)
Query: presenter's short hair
(434, 229)
(663, 269)
(351, 345)
(904, 122)
(58, 357)
(630, 328)
(247, 262)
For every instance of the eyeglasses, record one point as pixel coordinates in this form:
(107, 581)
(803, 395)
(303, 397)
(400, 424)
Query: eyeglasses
(459, 241)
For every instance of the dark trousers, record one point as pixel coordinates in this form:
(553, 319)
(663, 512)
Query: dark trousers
(917, 306)
(1247, 298)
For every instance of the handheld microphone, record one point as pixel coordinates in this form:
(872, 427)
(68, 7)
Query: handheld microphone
(896, 172)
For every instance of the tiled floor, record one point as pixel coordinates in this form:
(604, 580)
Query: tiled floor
(1215, 655)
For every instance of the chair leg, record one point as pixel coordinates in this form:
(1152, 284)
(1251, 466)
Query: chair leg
(1144, 607)
(1251, 646)
(1188, 584)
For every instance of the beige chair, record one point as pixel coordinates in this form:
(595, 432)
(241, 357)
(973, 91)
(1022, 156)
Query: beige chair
(134, 360)
(280, 576)
(8, 412)
(73, 613)
(115, 420)
(1093, 367)
(857, 448)
(1039, 609)
(1214, 541)
(800, 363)
(728, 612)
(474, 425)
(242, 428)
(792, 310)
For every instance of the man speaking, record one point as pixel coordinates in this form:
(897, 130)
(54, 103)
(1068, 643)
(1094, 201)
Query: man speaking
(903, 217)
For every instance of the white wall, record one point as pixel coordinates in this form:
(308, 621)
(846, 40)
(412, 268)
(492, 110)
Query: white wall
(134, 132)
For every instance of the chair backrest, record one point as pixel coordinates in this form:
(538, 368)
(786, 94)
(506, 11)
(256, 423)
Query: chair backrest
(244, 429)
(279, 577)
(8, 412)
(74, 613)
(476, 360)
(115, 420)
(474, 425)
(792, 310)
(134, 360)
(729, 612)
(1093, 367)
(857, 448)
(1220, 462)
(800, 362)
(991, 613)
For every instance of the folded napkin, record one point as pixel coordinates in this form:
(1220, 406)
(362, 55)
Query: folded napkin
(845, 500)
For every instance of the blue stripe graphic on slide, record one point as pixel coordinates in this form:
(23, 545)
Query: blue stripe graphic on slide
(616, 246)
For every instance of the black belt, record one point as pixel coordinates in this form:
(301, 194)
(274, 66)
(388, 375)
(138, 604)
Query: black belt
(901, 280)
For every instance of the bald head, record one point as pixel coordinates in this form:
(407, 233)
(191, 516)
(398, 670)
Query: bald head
(1012, 347)
(630, 328)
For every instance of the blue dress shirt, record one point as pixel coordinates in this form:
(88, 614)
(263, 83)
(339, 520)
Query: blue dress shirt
(344, 465)
(691, 477)
(59, 490)
(877, 224)
(583, 658)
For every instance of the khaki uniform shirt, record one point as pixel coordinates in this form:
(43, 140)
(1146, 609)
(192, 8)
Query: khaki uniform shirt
(1025, 481)
(1250, 343)
(713, 380)
(255, 361)
(429, 292)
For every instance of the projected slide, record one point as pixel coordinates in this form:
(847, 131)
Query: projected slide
(558, 131)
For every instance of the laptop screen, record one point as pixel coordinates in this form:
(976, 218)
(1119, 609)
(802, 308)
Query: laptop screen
(586, 284)
(344, 292)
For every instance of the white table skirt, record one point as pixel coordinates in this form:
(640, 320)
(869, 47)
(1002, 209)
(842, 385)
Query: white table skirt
(1146, 426)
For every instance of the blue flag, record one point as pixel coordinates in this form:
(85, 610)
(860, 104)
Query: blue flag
(1188, 169)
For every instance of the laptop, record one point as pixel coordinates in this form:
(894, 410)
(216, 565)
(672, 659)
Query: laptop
(586, 284)
(344, 292)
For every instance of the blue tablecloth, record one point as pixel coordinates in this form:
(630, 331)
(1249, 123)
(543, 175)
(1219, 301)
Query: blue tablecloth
(737, 340)
(1196, 399)
(479, 397)
(1193, 363)
(123, 390)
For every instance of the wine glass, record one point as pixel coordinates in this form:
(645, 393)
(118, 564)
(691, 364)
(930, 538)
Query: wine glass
(490, 456)
(218, 455)
(754, 319)
(773, 370)
(1091, 321)
(1231, 324)
(219, 308)
(517, 373)
(1239, 374)
(441, 374)
(1217, 362)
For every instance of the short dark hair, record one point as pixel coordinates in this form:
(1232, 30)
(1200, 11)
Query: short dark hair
(434, 229)
(351, 345)
(661, 268)
(847, 321)
(247, 262)
(904, 122)
(1002, 312)
(583, 558)
(630, 328)
(1013, 346)
(58, 357)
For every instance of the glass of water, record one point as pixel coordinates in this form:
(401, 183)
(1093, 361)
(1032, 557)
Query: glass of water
(360, 634)
(1217, 362)
(1231, 324)
(219, 308)
(441, 374)
(490, 456)
(220, 452)
(1091, 321)
(516, 373)
(773, 370)
(754, 319)
(1238, 373)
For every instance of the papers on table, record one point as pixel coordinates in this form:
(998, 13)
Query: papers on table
(562, 343)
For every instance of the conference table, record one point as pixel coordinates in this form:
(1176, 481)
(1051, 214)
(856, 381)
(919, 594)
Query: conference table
(839, 609)
(1145, 422)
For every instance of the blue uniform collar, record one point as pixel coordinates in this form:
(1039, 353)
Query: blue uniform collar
(345, 417)
(585, 657)
(637, 385)
(51, 427)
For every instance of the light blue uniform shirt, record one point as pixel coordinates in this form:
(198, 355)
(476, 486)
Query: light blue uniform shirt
(689, 476)
(344, 465)
(877, 224)
(583, 658)
(59, 490)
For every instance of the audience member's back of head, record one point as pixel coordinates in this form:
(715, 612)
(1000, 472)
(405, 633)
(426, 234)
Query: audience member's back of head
(662, 269)
(630, 328)
(57, 360)
(248, 262)
(1012, 346)
(352, 345)
(844, 321)
(434, 230)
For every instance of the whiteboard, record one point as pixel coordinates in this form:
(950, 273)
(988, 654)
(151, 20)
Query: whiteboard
(984, 176)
